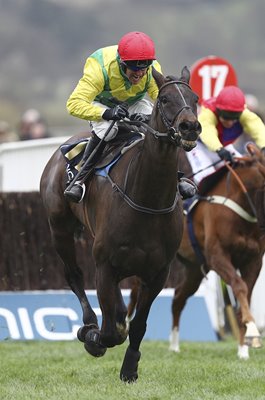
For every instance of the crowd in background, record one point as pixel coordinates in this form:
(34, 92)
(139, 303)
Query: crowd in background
(33, 126)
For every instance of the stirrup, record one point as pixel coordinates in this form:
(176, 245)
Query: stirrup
(83, 186)
(70, 196)
(187, 188)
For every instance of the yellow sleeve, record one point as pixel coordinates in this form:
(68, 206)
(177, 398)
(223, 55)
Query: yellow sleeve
(153, 89)
(89, 86)
(253, 125)
(209, 135)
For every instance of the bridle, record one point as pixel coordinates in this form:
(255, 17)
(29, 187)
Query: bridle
(172, 131)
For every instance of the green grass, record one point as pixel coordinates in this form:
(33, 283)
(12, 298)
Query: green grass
(64, 371)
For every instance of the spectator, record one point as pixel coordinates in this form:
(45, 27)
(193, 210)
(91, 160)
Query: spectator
(6, 133)
(253, 105)
(32, 126)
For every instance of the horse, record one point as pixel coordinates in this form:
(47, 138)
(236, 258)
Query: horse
(135, 216)
(226, 227)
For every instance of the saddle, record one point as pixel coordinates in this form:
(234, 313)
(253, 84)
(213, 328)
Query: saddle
(73, 152)
(209, 181)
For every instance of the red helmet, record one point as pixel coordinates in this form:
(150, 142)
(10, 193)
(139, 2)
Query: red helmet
(231, 98)
(136, 46)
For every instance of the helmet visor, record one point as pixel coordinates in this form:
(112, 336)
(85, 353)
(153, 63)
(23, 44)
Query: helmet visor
(229, 115)
(136, 65)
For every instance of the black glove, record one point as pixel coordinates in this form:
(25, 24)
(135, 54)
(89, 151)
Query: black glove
(116, 113)
(225, 155)
(140, 117)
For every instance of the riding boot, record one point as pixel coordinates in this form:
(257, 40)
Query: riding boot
(187, 188)
(77, 191)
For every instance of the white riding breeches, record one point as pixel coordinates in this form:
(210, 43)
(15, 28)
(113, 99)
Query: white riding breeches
(201, 159)
(143, 106)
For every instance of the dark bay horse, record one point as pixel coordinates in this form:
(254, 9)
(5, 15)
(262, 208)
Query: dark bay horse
(135, 216)
(227, 224)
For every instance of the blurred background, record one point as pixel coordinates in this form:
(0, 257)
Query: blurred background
(44, 45)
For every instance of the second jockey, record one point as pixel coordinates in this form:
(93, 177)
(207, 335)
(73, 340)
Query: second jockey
(227, 125)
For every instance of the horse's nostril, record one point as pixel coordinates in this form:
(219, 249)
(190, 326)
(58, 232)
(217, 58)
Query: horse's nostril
(184, 126)
(198, 126)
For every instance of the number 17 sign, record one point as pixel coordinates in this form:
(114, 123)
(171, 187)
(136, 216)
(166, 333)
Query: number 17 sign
(209, 75)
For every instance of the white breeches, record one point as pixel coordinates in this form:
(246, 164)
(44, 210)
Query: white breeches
(201, 159)
(143, 106)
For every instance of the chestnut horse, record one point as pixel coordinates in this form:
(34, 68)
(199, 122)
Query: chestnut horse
(135, 216)
(229, 239)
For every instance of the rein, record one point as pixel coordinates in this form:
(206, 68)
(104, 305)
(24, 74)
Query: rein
(138, 207)
(244, 190)
(134, 205)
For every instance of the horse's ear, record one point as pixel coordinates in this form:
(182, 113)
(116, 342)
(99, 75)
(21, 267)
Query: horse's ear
(185, 75)
(253, 149)
(159, 78)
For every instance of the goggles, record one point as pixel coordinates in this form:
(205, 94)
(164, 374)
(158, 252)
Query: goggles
(136, 65)
(229, 115)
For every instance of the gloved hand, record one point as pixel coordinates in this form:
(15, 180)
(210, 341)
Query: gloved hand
(116, 113)
(225, 155)
(140, 117)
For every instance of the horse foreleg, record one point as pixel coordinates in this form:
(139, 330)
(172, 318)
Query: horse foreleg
(250, 274)
(249, 334)
(63, 240)
(114, 329)
(148, 292)
(223, 266)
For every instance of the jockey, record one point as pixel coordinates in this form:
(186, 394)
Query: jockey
(227, 125)
(114, 84)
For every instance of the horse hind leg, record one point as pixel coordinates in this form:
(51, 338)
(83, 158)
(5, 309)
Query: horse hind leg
(187, 284)
(63, 239)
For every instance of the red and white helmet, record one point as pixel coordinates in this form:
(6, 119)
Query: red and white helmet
(136, 46)
(231, 98)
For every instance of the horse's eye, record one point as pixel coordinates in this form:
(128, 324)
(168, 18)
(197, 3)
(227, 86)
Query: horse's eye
(164, 100)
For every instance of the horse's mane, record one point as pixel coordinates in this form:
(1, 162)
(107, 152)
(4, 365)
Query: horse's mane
(171, 78)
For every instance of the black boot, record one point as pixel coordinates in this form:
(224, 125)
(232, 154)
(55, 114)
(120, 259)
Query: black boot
(76, 192)
(187, 188)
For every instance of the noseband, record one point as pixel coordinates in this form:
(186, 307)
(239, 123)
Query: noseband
(172, 132)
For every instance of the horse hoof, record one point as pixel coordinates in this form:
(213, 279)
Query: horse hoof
(257, 343)
(129, 379)
(243, 352)
(82, 331)
(92, 343)
(130, 366)
(254, 342)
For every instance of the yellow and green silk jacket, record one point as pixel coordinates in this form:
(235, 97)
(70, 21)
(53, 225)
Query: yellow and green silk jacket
(104, 81)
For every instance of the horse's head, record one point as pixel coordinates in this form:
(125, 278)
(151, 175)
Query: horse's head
(175, 110)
